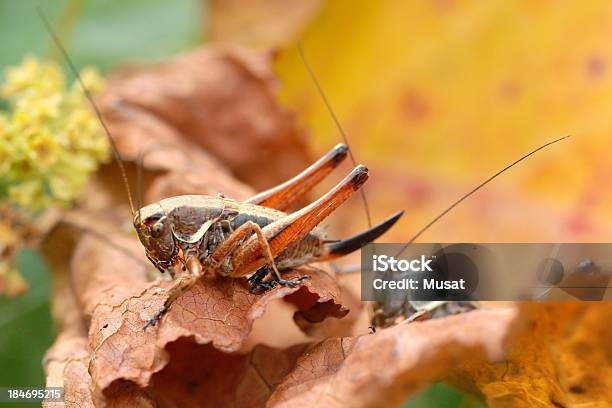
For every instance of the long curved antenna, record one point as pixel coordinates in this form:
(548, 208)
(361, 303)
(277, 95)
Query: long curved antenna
(75, 72)
(475, 189)
(337, 122)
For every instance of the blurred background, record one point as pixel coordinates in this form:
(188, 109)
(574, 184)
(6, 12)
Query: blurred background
(435, 96)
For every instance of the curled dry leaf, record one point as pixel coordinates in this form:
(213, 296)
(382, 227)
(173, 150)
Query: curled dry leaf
(384, 368)
(312, 320)
(337, 372)
(223, 99)
(193, 378)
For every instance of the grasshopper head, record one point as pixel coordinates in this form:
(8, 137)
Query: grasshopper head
(155, 233)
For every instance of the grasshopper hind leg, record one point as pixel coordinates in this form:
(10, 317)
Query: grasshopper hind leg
(282, 197)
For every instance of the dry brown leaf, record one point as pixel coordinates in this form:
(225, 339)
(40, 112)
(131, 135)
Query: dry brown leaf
(66, 361)
(223, 99)
(384, 368)
(194, 376)
(258, 23)
(313, 320)
(564, 359)
(66, 366)
(336, 372)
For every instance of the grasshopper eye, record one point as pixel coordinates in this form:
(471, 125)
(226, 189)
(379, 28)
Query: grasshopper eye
(157, 229)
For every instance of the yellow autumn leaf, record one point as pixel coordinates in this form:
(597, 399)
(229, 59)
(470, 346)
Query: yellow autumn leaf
(561, 359)
(438, 95)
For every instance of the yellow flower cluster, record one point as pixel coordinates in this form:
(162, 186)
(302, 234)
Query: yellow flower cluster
(50, 140)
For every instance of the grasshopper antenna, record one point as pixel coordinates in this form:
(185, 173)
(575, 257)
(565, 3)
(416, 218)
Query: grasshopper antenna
(75, 72)
(364, 199)
(337, 123)
(474, 190)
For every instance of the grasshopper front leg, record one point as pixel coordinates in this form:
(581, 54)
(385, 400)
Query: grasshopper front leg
(182, 285)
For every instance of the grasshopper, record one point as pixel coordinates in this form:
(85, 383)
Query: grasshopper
(255, 238)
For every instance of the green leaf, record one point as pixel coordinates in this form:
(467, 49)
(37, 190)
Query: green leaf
(442, 395)
(26, 329)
